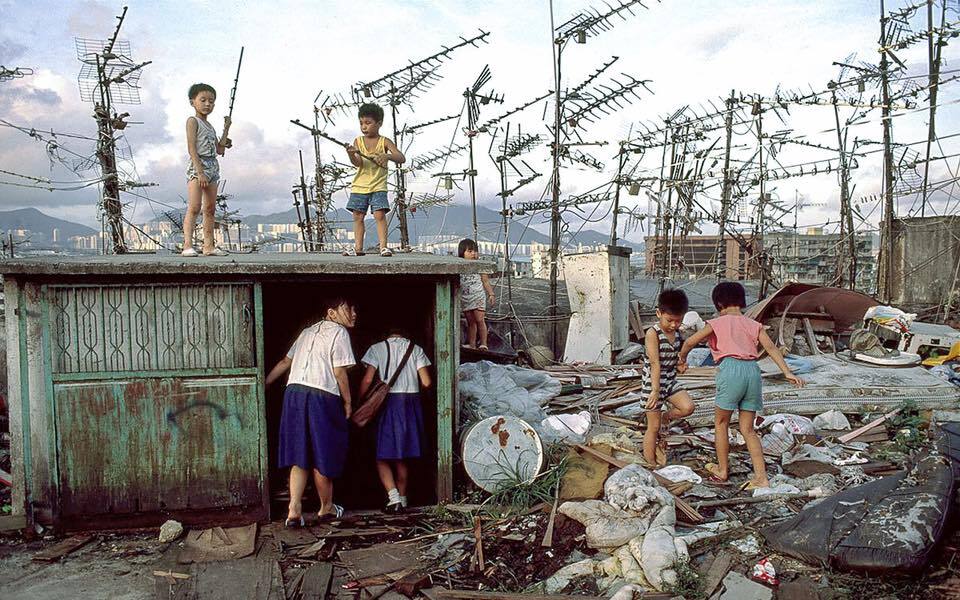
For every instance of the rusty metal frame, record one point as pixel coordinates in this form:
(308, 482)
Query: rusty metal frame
(25, 424)
(52, 438)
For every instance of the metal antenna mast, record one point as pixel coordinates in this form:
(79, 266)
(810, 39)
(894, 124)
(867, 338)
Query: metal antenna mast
(109, 76)
(474, 98)
(587, 23)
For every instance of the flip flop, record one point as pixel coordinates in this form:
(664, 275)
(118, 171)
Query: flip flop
(295, 523)
(336, 515)
(714, 470)
(749, 486)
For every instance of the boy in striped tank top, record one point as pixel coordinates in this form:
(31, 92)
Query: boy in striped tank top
(369, 153)
(663, 343)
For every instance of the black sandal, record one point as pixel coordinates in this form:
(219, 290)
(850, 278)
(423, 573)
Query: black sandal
(295, 523)
(336, 515)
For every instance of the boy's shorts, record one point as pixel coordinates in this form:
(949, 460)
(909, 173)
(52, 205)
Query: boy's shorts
(373, 201)
(665, 392)
(739, 386)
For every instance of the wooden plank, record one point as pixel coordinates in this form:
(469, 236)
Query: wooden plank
(445, 333)
(62, 548)
(843, 439)
(717, 571)
(13, 522)
(316, 581)
(811, 336)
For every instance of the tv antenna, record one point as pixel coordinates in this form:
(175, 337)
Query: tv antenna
(109, 76)
(14, 73)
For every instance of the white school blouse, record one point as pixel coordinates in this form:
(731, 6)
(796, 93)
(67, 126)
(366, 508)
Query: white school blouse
(318, 350)
(408, 382)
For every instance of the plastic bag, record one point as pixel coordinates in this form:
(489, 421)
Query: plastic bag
(778, 440)
(633, 353)
(697, 357)
(832, 420)
(634, 488)
(798, 364)
(795, 424)
(567, 427)
(679, 473)
(487, 389)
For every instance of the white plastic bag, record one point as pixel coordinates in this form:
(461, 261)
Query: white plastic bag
(487, 389)
(679, 473)
(832, 420)
(566, 427)
(795, 424)
(634, 488)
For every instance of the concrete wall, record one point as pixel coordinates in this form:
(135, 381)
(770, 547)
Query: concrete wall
(925, 258)
(598, 286)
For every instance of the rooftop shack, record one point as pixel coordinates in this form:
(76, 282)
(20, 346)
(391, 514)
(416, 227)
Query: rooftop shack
(136, 382)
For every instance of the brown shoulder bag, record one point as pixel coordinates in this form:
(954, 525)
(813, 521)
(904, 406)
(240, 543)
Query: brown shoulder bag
(375, 396)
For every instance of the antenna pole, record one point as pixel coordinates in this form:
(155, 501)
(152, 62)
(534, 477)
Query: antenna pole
(308, 231)
(621, 161)
(885, 275)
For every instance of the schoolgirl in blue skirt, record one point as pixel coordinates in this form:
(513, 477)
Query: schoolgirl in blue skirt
(316, 407)
(400, 421)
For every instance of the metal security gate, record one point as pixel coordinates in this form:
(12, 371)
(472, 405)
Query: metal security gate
(156, 395)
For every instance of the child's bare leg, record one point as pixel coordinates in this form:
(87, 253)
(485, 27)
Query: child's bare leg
(681, 405)
(298, 483)
(650, 436)
(386, 475)
(194, 198)
(325, 490)
(402, 475)
(755, 448)
(209, 214)
(358, 230)
(481, 326)
(380, 217)
(471, 329)
(721, 421)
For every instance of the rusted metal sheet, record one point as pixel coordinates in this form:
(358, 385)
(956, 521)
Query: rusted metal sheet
(150, 445)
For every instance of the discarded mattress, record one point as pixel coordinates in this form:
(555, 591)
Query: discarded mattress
(891, 525)
(847, 386)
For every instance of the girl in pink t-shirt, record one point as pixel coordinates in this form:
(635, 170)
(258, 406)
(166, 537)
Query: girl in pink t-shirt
(733, 340)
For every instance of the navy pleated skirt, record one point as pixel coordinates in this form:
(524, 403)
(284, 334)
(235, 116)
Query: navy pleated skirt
(313, 430)
(400, 427)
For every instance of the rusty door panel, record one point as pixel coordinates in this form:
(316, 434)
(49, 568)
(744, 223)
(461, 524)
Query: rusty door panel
(147, 445)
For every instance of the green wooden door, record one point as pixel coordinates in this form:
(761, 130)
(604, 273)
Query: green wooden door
(156, 398)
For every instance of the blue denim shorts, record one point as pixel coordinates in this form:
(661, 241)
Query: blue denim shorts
(739, 386)
(373, 200)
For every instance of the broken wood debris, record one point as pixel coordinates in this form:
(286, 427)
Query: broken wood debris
(63, 548)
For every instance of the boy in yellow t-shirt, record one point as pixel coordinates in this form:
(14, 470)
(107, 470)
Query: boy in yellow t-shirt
(370, 153)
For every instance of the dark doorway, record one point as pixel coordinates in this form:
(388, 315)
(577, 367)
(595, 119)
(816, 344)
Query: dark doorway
(382, 302)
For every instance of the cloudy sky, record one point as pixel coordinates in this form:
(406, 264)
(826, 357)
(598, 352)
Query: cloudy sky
(692, 52)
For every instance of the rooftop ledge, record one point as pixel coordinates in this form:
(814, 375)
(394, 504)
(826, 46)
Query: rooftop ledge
(272, 263)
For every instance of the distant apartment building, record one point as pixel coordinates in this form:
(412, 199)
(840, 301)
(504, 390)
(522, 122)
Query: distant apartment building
(811, 256)
(697, 256)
